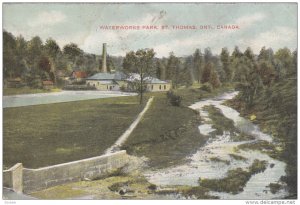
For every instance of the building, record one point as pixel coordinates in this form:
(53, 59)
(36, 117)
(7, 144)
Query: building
(156, 85)
(14, 83)
(152, 84)
(48, 84)
(78, 76)
(120, 81)
(107, 81)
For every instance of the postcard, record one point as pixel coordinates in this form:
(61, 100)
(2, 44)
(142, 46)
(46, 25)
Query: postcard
(149, 101)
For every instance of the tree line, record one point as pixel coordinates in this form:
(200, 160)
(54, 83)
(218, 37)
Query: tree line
(248, 71)
(34, 61)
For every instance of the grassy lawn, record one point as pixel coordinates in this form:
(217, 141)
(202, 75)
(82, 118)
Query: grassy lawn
(26, 90)
(43, 135)
(168, 134)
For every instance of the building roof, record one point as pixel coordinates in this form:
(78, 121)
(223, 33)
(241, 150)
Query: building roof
(122, 76)
(79, 74)
(108, 76)
(102, 76)
(47, 82)
(156, 81)
(134, 76)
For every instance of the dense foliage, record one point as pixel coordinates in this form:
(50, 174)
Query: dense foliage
(34, 61)
(268, 89)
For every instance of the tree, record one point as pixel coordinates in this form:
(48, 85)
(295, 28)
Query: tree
(9, 57)
(267, 72)
(141, 61)
(53, 52)
(34, 50)
(129, 65)
(44, 64)
(206, 72)
(285, 59)
(225, 59)
(52, 48)
(110, 64)
(198, 64)
(173, 69)
(214, 79)
(161, 69)
(72, 51)
(208, 55)
(236, 53)
(249, 54)
(242, 67)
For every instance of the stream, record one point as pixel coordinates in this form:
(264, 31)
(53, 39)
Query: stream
(199, 164)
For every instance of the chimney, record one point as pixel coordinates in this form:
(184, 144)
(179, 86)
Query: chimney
(104, 69)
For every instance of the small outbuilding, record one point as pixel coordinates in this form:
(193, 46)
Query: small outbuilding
(48, 84)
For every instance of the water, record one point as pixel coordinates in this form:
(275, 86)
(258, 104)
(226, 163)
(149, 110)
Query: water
(200, 165)
(57, 97)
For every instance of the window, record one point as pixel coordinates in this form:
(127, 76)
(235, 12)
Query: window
(151, 87)
(165, 87)
(160, 87)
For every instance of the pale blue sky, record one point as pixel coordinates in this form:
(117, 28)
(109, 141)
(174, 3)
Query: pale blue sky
(261, 24)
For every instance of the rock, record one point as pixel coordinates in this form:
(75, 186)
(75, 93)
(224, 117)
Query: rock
(122, 191)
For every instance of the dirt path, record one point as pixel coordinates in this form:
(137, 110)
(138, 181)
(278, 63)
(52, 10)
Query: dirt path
(127, 133)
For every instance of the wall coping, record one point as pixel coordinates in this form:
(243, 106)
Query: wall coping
(67, 163)
(13, 168)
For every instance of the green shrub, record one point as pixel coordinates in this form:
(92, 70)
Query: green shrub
(174, 99)
(206, 87)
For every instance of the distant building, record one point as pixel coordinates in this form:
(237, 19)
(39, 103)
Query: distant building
(107, 81)
(48, 84)
(153, 84)
(14, 83)
(78, 76)
(119, 81)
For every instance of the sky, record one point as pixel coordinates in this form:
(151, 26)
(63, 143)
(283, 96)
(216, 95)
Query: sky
(260, 24)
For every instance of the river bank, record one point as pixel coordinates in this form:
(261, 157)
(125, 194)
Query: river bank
(274, 109)
(215, 159)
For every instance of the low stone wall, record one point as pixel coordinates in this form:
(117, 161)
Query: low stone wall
(91, 168)
(13, 178)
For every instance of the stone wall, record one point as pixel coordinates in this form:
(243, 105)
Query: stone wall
(13, 178)
(91, 168)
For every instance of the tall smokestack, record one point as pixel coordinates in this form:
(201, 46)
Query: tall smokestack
(104, 69)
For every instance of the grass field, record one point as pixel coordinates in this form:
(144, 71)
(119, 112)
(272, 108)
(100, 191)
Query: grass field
(26, 90)
(44, 135)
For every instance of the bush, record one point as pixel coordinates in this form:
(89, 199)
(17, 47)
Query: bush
(152, 187)
(122, 88)
(175, 100)
(206, 87)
